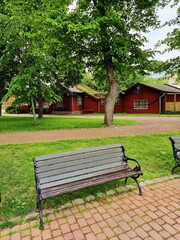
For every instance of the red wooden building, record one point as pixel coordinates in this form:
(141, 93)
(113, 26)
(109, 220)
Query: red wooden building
(139, 98)
(82, 99)
(151, 98)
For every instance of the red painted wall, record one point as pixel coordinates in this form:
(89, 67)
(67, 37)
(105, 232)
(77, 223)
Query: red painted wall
(90, 104)
(25, 108)
(144, 94)
(118, 108)
(102, 107)
(70, 105)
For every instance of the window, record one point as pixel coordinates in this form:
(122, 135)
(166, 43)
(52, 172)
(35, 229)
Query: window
(140, 104)
(118, 101)
(103, 101)
(79, 100)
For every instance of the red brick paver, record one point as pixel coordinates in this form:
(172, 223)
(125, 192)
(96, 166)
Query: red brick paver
(155, 215)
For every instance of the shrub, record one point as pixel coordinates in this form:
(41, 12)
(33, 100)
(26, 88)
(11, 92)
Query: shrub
(13, 108)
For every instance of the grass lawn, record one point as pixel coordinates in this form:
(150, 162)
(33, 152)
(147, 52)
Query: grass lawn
(17, 183)
(16, 124)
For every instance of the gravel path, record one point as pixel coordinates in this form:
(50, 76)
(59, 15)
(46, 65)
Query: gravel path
(145, 125)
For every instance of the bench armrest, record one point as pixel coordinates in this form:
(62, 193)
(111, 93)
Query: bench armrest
(138, 167)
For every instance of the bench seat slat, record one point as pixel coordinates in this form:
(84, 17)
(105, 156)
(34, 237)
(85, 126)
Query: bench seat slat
(82, 173)
(79, 178)
(74, 157)
(59, 155)
(90, 182)
(177, 145)
(86, 163)
(175, 138)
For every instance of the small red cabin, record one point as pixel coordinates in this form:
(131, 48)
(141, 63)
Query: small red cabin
(151, 98)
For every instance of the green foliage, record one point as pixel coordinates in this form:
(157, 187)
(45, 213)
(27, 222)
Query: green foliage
(156, 66)
(112, 40)
(13, 108)
(172, 41)
(33, 42)
(6, 72)
(114, 30)
(89, 80)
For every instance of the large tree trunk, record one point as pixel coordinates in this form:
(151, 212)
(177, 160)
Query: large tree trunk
(33, 110)
(111, 97)
(40, 105)
(108, 63)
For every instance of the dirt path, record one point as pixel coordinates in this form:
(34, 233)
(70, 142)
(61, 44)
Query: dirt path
(145, 125)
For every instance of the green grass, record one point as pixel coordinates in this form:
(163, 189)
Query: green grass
(16, 124)
(17, 183)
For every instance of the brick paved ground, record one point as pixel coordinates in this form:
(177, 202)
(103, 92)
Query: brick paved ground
(155, 215)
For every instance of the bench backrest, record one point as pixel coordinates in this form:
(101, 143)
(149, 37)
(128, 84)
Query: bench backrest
(175, 141)
(62, 168)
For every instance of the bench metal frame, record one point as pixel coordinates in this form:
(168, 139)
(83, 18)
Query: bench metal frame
(175, 141)
(67, 172)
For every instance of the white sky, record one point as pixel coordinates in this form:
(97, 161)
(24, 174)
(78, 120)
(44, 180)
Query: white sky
(154, 36)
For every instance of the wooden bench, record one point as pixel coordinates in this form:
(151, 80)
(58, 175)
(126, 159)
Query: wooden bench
(175, 141)
(66, 172)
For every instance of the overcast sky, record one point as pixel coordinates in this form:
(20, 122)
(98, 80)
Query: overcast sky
(165, 14)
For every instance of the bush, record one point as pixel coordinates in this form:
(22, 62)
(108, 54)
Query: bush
(13, 108)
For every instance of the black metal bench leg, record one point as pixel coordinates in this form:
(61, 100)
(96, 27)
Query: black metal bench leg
(139, 187)
(39, 209)
(41, 220)
(37, 205)
(126, 180)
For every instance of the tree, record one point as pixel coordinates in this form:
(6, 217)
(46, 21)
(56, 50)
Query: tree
(42, 58)
(5, 74)
(172, 66)
(111, 39)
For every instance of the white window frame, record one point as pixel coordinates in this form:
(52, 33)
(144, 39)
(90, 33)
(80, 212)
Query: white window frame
(118, 101)
(79, 100)
(140, 104)
(103, 101)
